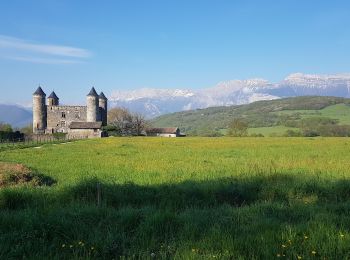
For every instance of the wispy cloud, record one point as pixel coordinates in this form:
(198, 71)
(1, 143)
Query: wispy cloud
(23, 50)
(44, 60)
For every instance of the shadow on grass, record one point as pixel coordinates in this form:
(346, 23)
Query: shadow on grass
(225, 218)
(235, 192)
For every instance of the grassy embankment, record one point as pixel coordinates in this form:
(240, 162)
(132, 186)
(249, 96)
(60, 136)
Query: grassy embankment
(192, 198)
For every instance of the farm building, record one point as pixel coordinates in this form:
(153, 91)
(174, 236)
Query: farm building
(164, 132)
(89, 129)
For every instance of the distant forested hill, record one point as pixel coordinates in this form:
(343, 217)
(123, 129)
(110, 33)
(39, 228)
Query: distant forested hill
(262, 116)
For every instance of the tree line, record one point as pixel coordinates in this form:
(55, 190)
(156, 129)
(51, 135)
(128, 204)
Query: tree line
(8, 134)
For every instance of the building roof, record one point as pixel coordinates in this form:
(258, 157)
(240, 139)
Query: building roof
(102, 96)
(53, 95)
(163, 130)
(85, 125)
(93, 92)
(39, 92)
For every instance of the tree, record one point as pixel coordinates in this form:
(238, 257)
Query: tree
(126, 123)
(237, 128)
(27, 130)
(5, 127)
(121, 119)
(138, 123)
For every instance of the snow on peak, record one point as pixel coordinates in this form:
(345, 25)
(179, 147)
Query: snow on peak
(300, 76)
(155, 102)
(149, 93)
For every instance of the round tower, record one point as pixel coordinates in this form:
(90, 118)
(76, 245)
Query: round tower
(39, 111)
(53, 100)
(103, 108)
(92, 113)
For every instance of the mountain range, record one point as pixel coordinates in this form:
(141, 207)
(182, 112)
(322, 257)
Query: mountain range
(155, 102)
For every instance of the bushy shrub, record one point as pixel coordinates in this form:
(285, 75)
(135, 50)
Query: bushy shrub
(11, 136)
(310, 133)
(334, 130)
(59, 135)
(238, 127)
(256, 135)
(292, 133)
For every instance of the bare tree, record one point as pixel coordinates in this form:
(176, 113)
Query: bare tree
(125, 122)
(139, 123)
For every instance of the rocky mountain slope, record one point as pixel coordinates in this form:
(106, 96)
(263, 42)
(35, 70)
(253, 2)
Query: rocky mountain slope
(155, 102)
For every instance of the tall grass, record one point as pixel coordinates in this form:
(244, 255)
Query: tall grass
(191, 198)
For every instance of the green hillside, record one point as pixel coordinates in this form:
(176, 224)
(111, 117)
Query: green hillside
(273, 117)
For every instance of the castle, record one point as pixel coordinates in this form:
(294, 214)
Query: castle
(75, 121)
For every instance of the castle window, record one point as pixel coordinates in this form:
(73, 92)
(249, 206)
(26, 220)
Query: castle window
(76, 114)
(63, 114)
(63, 123)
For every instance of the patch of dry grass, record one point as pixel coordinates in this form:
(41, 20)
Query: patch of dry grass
(17, 174)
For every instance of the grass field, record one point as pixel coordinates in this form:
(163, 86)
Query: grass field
(186, 198)
(278, 130)
(340, 112)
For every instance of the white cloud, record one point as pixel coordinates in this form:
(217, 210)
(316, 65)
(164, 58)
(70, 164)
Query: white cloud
(44, 60)
(23, 50)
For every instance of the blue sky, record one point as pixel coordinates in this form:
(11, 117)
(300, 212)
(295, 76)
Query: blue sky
(70, 45)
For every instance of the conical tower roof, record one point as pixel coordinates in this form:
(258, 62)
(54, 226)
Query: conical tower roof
(93, 92)
(102, 96)
(53, 95)
(39, 92)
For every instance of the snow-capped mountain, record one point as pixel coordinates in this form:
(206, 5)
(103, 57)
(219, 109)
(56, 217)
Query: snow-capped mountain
(155, 102)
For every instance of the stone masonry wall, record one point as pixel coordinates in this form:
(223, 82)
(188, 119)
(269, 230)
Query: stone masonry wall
(60, 117)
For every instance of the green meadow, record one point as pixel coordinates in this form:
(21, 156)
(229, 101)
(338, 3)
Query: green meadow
(339, 112)
(182, 198)
(278, 130)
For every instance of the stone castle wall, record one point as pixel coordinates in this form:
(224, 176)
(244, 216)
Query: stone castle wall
(60, 117)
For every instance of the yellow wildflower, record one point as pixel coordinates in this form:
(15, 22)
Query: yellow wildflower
(313, 252)
(341, 235)
(284, 246)
(306, 237)
(299, 257)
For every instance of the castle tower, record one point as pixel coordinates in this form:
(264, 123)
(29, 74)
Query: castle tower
(92, 113)
(39, 111)
(103, 108)
(53, 100)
